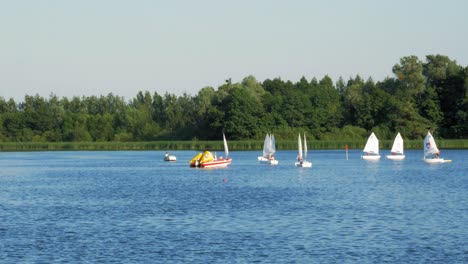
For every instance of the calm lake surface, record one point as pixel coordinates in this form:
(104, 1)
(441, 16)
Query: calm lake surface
(132, 207)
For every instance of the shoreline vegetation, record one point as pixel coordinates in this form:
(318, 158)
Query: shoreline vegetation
(240, 145)
(422, 96)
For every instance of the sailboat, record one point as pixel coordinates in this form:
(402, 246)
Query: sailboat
(302, 157)
(431, 152)
(269, 150)
(397, 149)
(371, 148)
(207, 160)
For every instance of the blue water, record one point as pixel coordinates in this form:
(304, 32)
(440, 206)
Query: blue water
(132, 207)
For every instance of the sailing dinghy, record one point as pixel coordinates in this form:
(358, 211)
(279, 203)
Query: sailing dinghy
(397, 149)
(302, 157)
(372, 148)
(431, 152)
(269, 150)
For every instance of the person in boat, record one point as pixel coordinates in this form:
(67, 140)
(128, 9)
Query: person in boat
(436, 155)
(299, 159)
(167, 154)
(270, 157)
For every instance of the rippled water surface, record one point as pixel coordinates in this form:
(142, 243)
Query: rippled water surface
(132, 207)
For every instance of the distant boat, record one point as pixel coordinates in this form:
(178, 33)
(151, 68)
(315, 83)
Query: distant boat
(169, 157)
(397, 149)
(372, 148)
(302, 157)
(269, 150)
(207, 160)
(431, 152)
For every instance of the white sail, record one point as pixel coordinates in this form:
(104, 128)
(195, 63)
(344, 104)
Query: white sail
(305, 147)
(269, 146)
(372, 145)
(430, 147)
(299, 144)
(272, 144)
(269, 150)
(266, 144)
(397, 147)
(226, 150)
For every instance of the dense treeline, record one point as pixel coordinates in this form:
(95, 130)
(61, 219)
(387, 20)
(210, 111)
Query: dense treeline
(431, 94)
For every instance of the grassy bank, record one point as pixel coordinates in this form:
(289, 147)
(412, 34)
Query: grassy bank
(215, 145)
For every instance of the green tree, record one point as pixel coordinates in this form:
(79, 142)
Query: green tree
(448, 80)
(242, 114)
(202, 105)
(410, 76)
(327, 105)
(75, 127)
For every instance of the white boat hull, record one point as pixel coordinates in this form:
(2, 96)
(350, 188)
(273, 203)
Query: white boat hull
(303, 164)
(435, 161)
(371, 157)
(396, 157)
(170, 158)
(264, 160)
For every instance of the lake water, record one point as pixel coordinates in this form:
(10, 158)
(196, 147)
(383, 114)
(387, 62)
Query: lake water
(132, 207)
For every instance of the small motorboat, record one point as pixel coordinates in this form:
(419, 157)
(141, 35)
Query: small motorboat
(169, 157)
(207, 160)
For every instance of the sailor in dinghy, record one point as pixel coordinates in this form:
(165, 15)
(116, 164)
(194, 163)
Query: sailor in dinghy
(269, 150)
(397, 149)
(372, 148)
(430, 149)
(302, 156)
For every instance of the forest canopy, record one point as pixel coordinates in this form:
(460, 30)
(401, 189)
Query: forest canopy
(422, 95)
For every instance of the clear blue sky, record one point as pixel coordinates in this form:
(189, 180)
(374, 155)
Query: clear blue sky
(96, 47)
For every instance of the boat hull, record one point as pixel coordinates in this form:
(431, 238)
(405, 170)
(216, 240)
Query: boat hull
(268, 161)
(396, 157)
(371, 157)
(304, 164)
(219, 163)
(170, 158)
(436, 161)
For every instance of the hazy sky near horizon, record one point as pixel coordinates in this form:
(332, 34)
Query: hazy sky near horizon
(85, 47)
